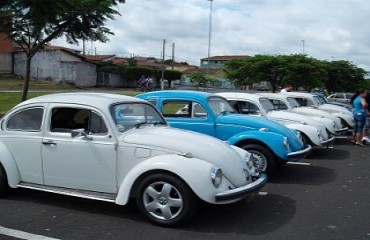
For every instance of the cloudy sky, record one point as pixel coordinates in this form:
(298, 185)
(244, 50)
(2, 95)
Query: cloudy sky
(323, 29)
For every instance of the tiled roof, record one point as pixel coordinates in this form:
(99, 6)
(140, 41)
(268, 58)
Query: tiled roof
(98, 57)
(226, 58)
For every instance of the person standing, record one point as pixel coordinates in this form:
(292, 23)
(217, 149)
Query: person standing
(288, 88)
(359, 116)
(365, 137)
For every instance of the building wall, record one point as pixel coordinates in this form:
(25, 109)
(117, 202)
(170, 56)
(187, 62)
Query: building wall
(57, 66)
(212, 64)
(6, 62)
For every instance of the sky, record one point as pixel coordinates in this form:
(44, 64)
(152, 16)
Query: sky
(323, 29)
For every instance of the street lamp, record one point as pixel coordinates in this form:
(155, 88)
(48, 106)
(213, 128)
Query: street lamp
(209, 33)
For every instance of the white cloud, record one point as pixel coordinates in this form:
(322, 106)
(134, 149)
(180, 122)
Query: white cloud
(330, 29)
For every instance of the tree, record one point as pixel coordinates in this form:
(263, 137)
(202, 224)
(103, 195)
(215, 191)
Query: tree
(344, 76)
(199, 79)
(171, 75)
(33, 23)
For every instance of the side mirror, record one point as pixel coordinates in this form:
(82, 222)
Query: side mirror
(80, 132)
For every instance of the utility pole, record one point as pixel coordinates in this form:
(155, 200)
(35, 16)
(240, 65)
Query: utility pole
(303, 41)
(173, 55)
(209, 34)
(163, 55)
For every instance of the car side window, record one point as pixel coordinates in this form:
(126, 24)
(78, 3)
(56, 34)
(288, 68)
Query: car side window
(198, 111)
(339, 95)
(26, 120)
(68, 119)
(183, 109)
(279, 105)
(249, 108)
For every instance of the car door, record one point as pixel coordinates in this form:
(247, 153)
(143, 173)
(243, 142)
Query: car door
(189, 115)
(82, 162)
(22, 135)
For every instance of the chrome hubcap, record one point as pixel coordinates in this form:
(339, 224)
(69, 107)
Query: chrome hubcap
(260, 161)
(162, 200)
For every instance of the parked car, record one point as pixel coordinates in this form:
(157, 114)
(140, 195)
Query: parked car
(312, 131)
(112, 148)
(285, 102)
(271, 143)
(324, 100)
(341, 97)
(311, 100)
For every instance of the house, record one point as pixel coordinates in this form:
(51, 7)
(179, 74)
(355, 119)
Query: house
(218, 61)
(52, 63)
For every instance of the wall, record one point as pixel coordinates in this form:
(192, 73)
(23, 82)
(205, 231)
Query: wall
(6, 62)
(48, 65)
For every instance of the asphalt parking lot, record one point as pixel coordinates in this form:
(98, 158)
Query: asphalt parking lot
(326, 196)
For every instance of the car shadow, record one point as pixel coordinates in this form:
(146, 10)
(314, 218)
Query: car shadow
(258, 216)
(262, 214)
(303, 174)
(328, 154)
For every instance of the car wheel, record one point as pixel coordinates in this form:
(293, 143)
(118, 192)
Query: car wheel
(305, 139)
(264, 159)
(4, 187)
(166, 200)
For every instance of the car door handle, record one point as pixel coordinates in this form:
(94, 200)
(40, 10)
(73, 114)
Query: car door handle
(49, 142)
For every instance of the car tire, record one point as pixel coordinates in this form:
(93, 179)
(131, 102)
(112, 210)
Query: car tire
(165, 199)
(4, 187)
(266, 160)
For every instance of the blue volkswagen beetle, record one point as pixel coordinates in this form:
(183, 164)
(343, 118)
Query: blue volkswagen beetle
(271, 143)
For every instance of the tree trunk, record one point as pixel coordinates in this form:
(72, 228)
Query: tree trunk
(26, 79)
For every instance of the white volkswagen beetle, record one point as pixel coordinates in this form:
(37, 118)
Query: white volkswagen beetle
(312, 131)
(285, 102)
(312, 100)
(111, 147)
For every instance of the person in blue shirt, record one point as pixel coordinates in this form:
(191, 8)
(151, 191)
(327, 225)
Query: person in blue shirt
(359, 115)
(365, 137)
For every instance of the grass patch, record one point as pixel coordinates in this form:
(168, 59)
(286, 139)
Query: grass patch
(12, 84)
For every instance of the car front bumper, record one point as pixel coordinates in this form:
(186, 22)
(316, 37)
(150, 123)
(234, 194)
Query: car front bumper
(298, 155)
(242, 192)
(328, 142)
(341, 130)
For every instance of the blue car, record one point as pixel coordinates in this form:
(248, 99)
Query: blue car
(271, 143)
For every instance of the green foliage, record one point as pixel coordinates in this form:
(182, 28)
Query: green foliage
(33, 23)
(298, 70)
(134, 73)
(110, 67)
(199, 79)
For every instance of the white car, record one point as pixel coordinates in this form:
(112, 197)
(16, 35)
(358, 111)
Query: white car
(341, 97)
(312, 132)
(285, 102)
(112, 148)
(312, 100)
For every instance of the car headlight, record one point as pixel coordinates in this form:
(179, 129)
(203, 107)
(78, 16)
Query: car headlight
(286, 142)
(216, 176)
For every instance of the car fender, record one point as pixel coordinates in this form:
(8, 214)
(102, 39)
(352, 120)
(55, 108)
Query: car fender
(274, 141)
(309, 131)
(8, 162)
(345, 117)
(184, 167)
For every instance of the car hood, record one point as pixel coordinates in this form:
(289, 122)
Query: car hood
(331, 108)
(257, 123)
(315, 112)
(292, 117)
(201, 146)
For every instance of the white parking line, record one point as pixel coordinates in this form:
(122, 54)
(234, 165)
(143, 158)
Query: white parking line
(300, 163)
(23, 235)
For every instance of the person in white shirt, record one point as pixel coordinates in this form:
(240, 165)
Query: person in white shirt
(288, 88)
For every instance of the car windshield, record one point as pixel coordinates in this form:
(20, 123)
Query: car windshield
(267, 105)
(220, 106)
(293, 103)
(321, 99)
(131, 115)
(316, 101)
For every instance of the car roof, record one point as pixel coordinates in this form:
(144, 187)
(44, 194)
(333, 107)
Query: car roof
(241, 95)
(177, 94)
(84, 98)
(274, 95)
(299, 94)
